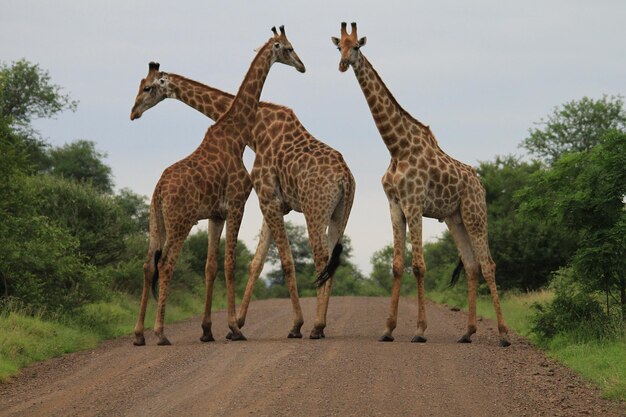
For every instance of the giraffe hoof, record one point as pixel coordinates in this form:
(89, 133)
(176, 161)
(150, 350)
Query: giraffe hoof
(464, 339)
(229, 336)
(294, 335)
(236, 337)
(504, 343)
(139, 341)
(386, 338)
(207, 338)
(418, 339)
(163, 341)
(316, 334)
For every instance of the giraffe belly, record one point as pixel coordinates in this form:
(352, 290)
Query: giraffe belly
(438, 210)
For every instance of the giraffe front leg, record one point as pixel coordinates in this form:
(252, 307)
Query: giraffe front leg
(398, 221)
(419, 270)
(232, 230)
(214, 232)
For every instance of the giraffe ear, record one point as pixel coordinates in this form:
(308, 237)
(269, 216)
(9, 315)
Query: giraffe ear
(153, 66)
(363, 41)
(335, 40)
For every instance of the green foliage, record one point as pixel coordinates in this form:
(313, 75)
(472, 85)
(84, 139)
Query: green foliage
(525, 251)
(127, 273)
(94, 219)
(81, 161)
(135, 208)
(576, 126)
(40, 266)
(26, 93)
(572, 312)
(583, 193)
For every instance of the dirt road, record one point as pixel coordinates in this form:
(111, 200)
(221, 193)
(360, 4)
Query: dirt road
(347, 374)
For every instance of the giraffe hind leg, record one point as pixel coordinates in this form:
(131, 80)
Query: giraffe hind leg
(214, 232)
(477, 233)
(469, 263)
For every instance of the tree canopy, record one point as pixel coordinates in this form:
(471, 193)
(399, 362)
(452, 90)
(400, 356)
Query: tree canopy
(575, 126)
(26, 92)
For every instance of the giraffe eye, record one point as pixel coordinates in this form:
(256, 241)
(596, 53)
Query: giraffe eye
(356, 48)
(289, 49)
(147, 89)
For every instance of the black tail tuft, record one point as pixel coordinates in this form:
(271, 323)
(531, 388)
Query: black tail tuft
(456, 273)
(331, 266)
(155, 277)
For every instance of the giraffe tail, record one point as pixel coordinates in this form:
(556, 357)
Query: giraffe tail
(155, 277)
(456, 273)
(331, 266)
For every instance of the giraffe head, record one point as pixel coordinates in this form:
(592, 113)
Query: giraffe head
(152, 90)
(349, 46)
(282, 50)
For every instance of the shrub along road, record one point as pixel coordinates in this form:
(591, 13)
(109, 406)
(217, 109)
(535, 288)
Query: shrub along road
(347, 374)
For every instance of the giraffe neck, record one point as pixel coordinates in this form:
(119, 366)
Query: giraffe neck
(389, 116)
(242, 112)
(209, 101)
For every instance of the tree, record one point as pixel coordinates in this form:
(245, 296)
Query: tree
(526, 252)
(26, 93)
(575, 126)
(584, 192)
(93, 218)
(82, 162)
(135, 208)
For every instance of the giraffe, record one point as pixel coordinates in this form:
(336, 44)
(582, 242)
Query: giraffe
(212, 183)
(292, 171)
(422, 180)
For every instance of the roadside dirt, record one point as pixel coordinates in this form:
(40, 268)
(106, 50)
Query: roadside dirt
(348, 373)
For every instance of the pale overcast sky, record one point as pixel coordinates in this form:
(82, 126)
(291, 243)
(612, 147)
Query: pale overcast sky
(480, 73)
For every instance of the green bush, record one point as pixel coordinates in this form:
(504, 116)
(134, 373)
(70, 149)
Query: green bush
(94, 219)
(572, 312)
(41, 267)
